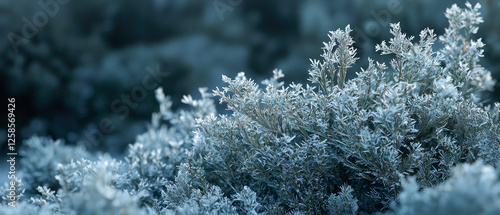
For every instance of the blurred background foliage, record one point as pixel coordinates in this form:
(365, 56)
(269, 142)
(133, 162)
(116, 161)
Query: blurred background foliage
(92, 52)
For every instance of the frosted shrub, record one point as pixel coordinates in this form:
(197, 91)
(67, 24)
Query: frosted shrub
(473, 189)
(41, 156)
(342, 204)
(333, 146)
(152, 161)
(299, 144)
(192, 194)
(96, 195)
(25, 208)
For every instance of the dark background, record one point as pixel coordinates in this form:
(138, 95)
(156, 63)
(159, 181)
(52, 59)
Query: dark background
(92, 52)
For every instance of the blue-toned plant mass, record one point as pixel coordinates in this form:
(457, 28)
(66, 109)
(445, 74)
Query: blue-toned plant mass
(408, 136)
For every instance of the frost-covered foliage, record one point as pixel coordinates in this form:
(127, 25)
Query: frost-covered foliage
(89, 188)
(153, 160)
(94, 192)
(41, 156)
(336, 146)
(26, 208)
(66, 70)
(473, 189)
(299, 144)
(190, 193)
(342, 204)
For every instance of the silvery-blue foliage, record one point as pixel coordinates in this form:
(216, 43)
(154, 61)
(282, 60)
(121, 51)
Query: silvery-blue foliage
(25, 208)
(472, 189)
(343, 203)
(41, 157)
(152, 161)
(95, 193)
(336, 146)
(299, 144)
(192, 194)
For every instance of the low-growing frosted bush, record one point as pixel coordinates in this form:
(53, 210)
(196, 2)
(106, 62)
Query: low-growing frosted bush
(473, 189)
(336, 146)
(153, 160)
(40, 158)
